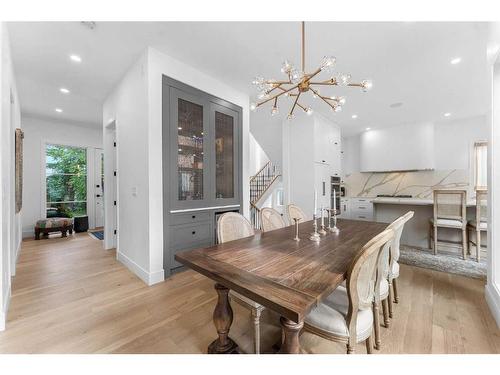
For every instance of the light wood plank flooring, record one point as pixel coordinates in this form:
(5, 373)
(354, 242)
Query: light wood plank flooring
(70, 296)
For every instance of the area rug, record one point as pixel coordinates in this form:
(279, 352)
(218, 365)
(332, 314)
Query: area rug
(444, 262)
(98, 235)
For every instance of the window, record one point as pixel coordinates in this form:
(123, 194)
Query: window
(481, 164)
(279, 197)
(66, 181)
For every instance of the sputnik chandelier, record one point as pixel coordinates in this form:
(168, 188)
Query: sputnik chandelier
(299, 82)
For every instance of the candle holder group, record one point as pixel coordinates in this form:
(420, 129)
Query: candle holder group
(324, 229)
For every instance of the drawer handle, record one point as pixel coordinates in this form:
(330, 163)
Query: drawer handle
(363, 208)
(362, 217)
(193, 217)
(193, 232)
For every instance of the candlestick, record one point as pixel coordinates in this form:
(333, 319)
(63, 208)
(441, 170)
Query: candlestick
(296, 219)
(335, 229)
(329, 220)
(334, 200)
(315, 235)
(315, 203)
(322, 231)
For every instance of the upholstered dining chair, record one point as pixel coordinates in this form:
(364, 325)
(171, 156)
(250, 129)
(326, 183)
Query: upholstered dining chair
(233, 226)
(449, 212)
(480, 224)
(398, 226)
(295, 212)
(271, 219)
(346, 315)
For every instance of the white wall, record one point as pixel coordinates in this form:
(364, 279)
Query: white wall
(128, 107)
(258, 157)
(268, 132)
(492, 290)
(136, 105)
(10, 232)
(37, 133)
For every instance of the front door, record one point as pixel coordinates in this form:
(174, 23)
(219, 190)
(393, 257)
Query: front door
(99, 188)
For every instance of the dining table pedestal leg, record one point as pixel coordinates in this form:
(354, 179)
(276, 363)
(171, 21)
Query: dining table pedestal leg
(223, 318)
(290, 336)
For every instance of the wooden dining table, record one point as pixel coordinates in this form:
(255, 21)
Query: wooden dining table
(287, 276)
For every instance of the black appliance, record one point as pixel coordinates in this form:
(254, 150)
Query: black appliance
(335, 186)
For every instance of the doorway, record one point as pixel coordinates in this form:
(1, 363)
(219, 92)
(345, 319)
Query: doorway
(99, 188)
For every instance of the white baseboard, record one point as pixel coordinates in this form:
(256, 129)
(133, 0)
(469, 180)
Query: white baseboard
(149, 278)
(492, 295)
(28, 234)
(4, 310)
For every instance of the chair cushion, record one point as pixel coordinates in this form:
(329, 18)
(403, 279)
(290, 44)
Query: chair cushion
(448, 223)
(245, 300)
(330, 316)
(54, 222)
(483, 225)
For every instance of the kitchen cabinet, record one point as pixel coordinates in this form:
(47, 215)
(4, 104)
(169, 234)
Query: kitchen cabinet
(361, 209)
(327, 144)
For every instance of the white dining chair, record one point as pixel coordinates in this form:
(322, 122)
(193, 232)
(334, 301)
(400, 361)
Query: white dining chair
(480, 223)
(388, 272)
(295, 212)
(233, 226)
(346, 315)
(271, 219)
(449, 212)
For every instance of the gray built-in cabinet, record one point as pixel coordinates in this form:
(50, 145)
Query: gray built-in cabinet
(202, 167)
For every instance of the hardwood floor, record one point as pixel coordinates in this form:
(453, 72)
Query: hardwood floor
(70, 296)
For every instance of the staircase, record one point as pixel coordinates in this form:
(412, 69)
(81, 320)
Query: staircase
(259, 184)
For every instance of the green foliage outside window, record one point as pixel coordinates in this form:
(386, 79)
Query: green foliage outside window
(66, 178)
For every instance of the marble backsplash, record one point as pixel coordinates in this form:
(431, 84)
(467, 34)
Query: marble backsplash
(418, 184)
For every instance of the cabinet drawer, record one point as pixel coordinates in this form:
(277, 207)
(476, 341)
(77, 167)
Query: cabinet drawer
(190, 217)
(361, 200)
(364, 217)
(183, 236)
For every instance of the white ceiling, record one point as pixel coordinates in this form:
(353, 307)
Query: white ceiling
(409, 62)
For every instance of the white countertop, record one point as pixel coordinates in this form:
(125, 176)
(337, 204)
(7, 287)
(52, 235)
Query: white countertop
(407, 201)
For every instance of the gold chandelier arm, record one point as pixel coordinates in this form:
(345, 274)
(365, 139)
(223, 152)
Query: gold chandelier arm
(322, 98)
(294, 104)
(331, 82)
(309, 76)
(277, 95)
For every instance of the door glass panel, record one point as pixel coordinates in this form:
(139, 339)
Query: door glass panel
(224, 155)
(190, 150)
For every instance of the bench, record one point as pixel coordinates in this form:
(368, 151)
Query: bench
(53, 224)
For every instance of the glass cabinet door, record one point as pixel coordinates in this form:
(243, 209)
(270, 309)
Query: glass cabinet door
(225, 149)
(189, 156)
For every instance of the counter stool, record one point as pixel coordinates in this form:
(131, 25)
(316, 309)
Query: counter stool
(480, 224)
(449, 212)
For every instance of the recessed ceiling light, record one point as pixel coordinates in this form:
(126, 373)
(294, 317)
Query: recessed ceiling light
(64, 90)
(59, 110)
(447, 114)
(367, 129)
(396, 105)
(455, 60)
(75, 58)
(354, 116)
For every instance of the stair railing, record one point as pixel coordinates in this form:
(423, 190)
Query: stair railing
(259, 184)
